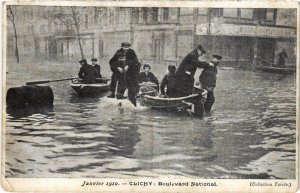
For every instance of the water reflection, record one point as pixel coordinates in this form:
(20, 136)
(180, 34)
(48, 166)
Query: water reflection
(17, 113)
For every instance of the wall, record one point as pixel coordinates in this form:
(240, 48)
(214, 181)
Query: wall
(286, 17)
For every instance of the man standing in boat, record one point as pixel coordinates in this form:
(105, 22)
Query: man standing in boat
(86, 72)
(184, 76)
(96, 67)
(130, 72)
(208, 79)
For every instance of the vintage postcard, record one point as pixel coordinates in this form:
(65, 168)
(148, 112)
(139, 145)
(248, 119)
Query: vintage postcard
(150, 96)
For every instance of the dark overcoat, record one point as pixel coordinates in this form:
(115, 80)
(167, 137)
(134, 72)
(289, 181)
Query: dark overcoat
(97, 71)
(208, 77)
(87, 73)
(184, 76)
(169, 82)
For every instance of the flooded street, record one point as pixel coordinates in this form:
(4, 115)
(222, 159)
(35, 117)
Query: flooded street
(250, 134)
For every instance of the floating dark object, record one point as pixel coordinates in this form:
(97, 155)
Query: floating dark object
(29, 96)
(278, 70)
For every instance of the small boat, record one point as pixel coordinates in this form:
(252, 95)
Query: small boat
(278, 70)
(194, 101)
(101, 86)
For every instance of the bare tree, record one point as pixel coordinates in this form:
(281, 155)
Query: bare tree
(70, 17)
(11, 12)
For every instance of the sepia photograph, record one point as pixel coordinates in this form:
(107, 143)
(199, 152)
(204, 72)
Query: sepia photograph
(155, 95)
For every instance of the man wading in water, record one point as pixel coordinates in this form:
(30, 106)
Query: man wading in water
(130, 72)
(208, 79)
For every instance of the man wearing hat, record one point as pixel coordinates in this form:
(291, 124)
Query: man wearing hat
(86, 72)
(131, 71)
(184, 76)
(97, 68)
(208, 79)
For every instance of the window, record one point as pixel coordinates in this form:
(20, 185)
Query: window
(49, 25)
(202, 11)
(154, 14)
(246, 13)
(86, 21)
(31, 14)
(42, 29)
(145, 12)
(111, 16)
(186, 11)
(55, 26)
(230, 12)
(96, 15)
(270, 14)
(216, 12)
(165, 14)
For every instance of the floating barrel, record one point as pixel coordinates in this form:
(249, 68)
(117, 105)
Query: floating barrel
(30, 96)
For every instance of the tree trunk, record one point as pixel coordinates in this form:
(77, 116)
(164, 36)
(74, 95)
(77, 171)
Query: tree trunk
(15, 32)
(77, 31)
(79, 41)
(16, 43)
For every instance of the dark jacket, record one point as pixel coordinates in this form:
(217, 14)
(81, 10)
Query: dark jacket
(150, 77)
(87, 73)
(131, 61)
(184, 76)
(169, 81)
(97, 71)
(208, 77)
(131, 58)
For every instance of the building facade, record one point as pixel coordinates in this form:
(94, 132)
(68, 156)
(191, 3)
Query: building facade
(244, 37)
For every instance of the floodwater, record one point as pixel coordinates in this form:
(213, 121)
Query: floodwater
(250, 134)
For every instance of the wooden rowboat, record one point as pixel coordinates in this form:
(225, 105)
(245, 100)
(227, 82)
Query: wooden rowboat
(195, 100)
(278, 70)
(99, 87)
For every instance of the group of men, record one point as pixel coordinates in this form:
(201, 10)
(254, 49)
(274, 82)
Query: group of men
(89, 73)
(126, 74)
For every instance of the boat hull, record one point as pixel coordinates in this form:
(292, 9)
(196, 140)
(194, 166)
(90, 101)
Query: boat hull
(192, 103)
(89, 89)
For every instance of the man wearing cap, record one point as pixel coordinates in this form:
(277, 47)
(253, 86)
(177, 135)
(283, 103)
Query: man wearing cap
(97, 68)
(184, 76)
(131, 71)
(86, 72)
(208, 79)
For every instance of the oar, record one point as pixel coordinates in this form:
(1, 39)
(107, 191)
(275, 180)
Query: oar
(47, 81)
(57, 80)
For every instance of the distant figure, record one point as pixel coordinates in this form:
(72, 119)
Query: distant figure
(96, 67)
(148, 82)
(282, 56)
(86, 72)
(208, 79)
(169, 82)
(184, 76)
